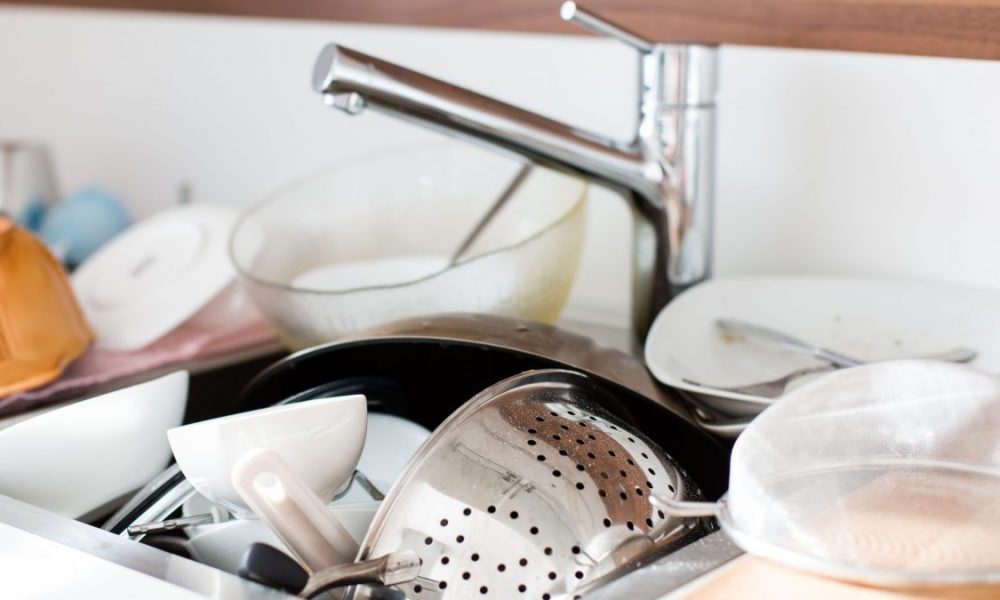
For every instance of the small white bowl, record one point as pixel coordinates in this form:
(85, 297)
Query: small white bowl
(389, 444)
(77, 459)
(320, 439)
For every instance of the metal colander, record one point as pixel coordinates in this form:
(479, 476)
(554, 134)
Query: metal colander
(532, 489)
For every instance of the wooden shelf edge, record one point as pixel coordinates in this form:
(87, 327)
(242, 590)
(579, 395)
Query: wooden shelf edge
(953, 28)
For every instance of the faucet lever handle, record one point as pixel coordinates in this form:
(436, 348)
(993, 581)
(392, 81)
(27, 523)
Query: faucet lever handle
(571, 11)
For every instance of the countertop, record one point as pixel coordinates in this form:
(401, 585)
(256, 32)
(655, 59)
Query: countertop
(43, 555)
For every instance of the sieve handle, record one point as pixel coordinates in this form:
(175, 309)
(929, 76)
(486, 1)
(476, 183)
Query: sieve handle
(683, 510)
(391, 569)
(268, 565)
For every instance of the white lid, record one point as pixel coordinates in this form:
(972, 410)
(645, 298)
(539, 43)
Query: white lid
(154, 276)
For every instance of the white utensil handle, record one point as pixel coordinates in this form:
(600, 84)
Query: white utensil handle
(292, 510)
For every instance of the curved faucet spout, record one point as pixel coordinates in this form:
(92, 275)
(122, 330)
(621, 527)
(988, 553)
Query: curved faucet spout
(352, 79)
(665, 172)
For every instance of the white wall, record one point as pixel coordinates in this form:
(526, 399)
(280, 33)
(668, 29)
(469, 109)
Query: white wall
(828, 162)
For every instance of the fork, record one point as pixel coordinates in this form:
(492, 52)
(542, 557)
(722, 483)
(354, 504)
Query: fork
(776, 387)
(764, 389)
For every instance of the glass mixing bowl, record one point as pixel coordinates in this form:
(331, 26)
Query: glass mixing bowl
(308, 253)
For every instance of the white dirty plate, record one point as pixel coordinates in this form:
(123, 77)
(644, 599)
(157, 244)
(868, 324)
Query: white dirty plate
(870, 319)
(155, 275)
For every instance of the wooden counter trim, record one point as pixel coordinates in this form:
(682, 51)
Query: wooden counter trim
(958, 28)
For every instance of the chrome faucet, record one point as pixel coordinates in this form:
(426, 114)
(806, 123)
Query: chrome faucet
(666, 171)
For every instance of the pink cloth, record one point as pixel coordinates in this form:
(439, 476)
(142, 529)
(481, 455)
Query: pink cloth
(185, 344)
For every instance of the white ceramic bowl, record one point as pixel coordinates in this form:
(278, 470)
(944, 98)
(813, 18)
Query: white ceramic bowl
(320, 439)
(77, 459)
(389, 444)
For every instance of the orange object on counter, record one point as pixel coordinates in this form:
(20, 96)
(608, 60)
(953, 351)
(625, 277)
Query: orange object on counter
(42, 328)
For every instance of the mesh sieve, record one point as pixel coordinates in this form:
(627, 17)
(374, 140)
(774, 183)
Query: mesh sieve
(887, 474)
(531, 490)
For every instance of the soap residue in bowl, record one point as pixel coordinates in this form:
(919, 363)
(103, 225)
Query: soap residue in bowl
(376, 272)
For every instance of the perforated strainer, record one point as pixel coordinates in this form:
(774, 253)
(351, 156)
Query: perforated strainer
(531, 490)
(887, 474)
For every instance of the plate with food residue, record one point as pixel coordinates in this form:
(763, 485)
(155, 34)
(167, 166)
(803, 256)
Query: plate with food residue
(867, 318)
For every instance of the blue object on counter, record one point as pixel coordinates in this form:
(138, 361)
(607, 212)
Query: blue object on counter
(79, 225)
(32, 214)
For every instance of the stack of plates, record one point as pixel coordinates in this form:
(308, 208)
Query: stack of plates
(870, 319)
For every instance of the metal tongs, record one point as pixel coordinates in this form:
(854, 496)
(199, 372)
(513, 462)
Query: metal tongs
(269, 566)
